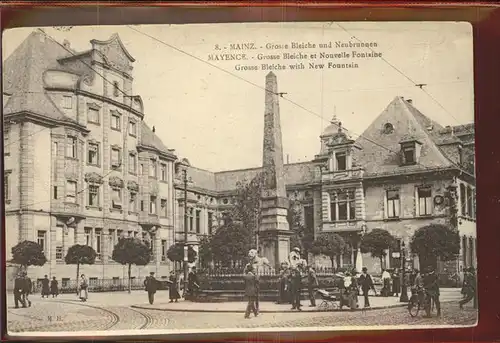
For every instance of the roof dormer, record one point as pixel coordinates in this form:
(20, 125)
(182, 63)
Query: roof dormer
(410, 150)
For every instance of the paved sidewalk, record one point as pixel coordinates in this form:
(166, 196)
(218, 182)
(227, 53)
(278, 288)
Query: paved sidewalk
(449, 294)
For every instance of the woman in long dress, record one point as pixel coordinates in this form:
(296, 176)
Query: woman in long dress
(173, 287)
(83, 288)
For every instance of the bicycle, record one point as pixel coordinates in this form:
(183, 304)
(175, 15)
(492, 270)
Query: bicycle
(418, 301)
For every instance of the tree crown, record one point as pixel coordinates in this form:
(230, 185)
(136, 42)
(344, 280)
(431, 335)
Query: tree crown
(330, 245)
(436, 240)
(80, 254)
(131, 251)
(28, 253)
(376, 242)
(175, 253)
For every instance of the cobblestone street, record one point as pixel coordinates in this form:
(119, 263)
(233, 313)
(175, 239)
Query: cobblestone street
(68, 314)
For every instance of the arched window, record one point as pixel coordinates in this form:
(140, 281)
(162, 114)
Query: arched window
(388, 128)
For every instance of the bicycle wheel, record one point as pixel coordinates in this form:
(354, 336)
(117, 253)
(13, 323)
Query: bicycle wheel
(413, 308)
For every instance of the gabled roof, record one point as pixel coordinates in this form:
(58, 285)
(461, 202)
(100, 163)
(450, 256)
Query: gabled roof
(384, 156)
(114, 38)
(22, 77)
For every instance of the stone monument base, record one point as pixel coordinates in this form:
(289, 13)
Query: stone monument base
(275, 246)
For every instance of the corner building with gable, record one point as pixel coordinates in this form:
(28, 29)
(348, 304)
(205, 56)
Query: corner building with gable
(82, 166)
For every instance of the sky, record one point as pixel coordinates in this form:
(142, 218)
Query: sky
(213, 114)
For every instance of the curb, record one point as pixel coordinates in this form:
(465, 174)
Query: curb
(262, 311)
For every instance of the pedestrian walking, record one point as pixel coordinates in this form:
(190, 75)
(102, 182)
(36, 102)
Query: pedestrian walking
(83, 288)
(45, 287)
(396, 282)
(350, 296)
(54, 287)
(282, 296)
(366, 283)
(469, 288)
(431, 287)
(312, 285)
(173, 287)
(19, 289)
(151, 285)
(28, 289)
(251, 289)
(296, 288)
(193, 284)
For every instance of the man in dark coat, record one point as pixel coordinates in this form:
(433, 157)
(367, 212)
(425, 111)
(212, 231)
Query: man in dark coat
(54, 287)
(151, 285)
(19, 288)
(251, 290)
(45, 286)
(283, 279)
(312, 285)
(296, 287)
(431, 287)
(366, 283)
(469, 288)
(193, 284)
(28, 288)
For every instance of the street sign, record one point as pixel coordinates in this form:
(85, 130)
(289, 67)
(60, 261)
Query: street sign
(396, 254)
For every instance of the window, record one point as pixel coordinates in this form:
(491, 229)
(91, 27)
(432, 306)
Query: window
(116, 198)
(141, 169)
(93, 154)
(71, 147)
(6, 185)
(164, 250)
(463, 199)
(92, 281)
(424, 201)
(469, 201)
(88, 236)
(163, 205)
(119, 234)
(343, 206)
(116, 121)
(132, 163)
(473, 209)
(55, 149)
(93, 115)
(393, 204)
(65, 281)
(152, 168)
(163, 172)
(210, 223)
(190, 219)
(41, 240)
(388, 128)
(67, 101)
(93, 199)
(341, 160)
(111, 241)
(54, 191)
(152, 204)
(142, 205)
(98, 242)
(198, 221)
(115, 157)
(132, 202)
(6, 139)
(116, 89)
(71, 191)
(409, 155)
(132, 128)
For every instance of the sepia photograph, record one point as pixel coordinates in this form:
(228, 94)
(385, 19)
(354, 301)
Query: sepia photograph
(194, 178)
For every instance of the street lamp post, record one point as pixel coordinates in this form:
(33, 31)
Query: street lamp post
(404, 293)
(184, 172)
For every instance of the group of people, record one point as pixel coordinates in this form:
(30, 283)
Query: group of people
(391, 283)
(151, 285)
(49, 287)
(22, 289)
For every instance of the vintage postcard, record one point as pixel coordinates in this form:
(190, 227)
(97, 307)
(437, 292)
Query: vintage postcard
(227, 177)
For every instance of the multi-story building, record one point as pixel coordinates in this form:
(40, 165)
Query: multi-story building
(81, 166)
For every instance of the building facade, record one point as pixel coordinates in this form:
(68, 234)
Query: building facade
(82, 166)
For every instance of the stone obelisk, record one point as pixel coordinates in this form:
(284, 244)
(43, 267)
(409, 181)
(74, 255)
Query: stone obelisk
(274, 231)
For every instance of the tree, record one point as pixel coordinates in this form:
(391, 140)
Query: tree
(230, 243)
(129, 251)
(329, 244)
(205, 252)
(80, 254)
(175, 253)
(376, 242)
(435, 241)
(28, 253)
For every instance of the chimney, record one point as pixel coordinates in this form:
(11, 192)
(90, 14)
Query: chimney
(154, 129)
(66, 44)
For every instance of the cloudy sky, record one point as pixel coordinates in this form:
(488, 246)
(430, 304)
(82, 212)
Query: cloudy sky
(215, 117)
